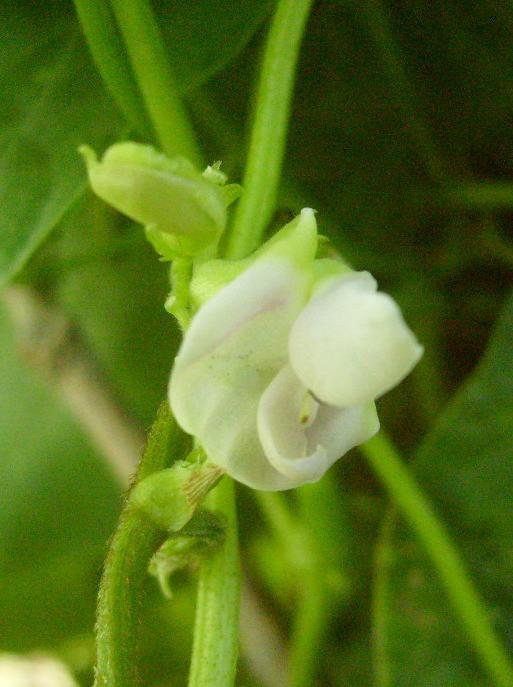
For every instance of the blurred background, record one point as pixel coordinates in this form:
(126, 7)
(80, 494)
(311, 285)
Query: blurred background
(401, 138)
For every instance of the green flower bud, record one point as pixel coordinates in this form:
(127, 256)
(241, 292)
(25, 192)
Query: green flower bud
(184, 212)
(170, 497)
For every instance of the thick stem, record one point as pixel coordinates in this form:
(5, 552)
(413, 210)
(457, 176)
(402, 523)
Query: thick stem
(269, 130)
(121, 589)
(437, 543)
(216, 630)
(147, 54)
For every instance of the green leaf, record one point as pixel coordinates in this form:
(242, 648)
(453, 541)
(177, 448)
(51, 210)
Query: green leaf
(202, 37)
(59, 505)
(52, 101)
(465, 465)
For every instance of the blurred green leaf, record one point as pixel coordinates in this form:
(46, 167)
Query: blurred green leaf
(109, 280)
(465, 465)
(51, 102)
(59, 505)
(202, 37)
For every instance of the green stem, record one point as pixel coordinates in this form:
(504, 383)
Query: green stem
(135, 540)
(309, 626)
(216, 630)
(313, 604)
(147, 54)
(296, 539)
(444, 556)
(269, 130)
(382, 561)
(109, 55)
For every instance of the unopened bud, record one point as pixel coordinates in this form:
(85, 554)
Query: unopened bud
(183, 211)
(170, 497)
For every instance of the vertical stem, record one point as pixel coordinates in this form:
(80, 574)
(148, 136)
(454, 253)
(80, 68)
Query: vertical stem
(269, 130)
(215, 648)
(153, 74)
(109, 55)
(324, 537)
(305, 657)
(134, 542)
(460, 589)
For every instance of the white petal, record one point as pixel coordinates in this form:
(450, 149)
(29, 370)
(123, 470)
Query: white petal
(302, 450)
(350, 344)
(234, 347)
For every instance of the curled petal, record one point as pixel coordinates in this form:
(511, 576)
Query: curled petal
(350, 344)
(234, 347)
(303, 438)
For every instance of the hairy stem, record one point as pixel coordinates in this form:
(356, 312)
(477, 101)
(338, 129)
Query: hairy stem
(268, 135)
(432, 534)
(121, 589)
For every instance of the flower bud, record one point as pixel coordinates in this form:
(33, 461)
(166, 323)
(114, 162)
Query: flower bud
(170, 497)
(183, 212)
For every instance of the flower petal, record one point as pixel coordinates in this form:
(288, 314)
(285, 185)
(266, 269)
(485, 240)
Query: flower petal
(234, 347)
(350, 344)
(302, 450)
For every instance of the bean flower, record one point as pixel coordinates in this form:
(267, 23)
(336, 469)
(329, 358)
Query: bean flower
(278, 372)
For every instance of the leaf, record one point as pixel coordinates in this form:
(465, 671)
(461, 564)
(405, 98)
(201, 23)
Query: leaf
(52, 101)
(465, 465)
(58, 507)
(202, 37)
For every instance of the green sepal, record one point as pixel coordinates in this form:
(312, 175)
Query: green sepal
(170, 497)
(210, 276)
(296, 242)
(230, 193)
(325, 270)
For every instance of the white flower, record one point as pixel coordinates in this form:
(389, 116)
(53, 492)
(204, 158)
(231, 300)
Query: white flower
(278, 372)
(33, 671)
